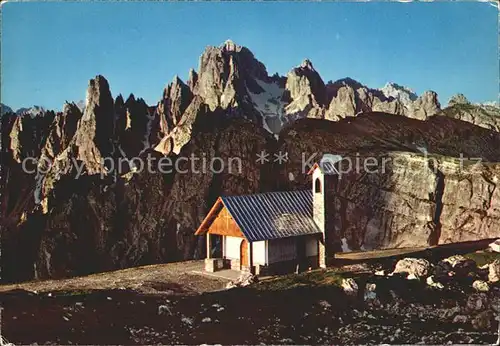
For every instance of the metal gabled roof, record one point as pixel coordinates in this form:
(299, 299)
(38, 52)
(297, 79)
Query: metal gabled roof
(273, 215)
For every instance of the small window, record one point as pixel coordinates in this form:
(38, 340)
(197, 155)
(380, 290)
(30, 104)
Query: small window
(317, 186)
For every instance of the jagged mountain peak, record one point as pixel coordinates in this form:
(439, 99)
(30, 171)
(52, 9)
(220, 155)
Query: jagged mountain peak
(396, 86)
(70, 107)
(307, 64)
(177, 80)
(119, 101)
(130, 99)
(192, 79)
(347, 81)
(458, 99)
(230, 46)
(98, 119)
(305, 68)
(399, 92)
(233, 56)
(33, 111)
(99, 102)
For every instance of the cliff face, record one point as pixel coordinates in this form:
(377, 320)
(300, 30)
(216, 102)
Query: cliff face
(418, 201)
(95, 227)
(80, 211)
(404, 182)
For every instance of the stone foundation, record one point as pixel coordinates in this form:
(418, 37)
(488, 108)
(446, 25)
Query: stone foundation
(234, 264)
(214, 264)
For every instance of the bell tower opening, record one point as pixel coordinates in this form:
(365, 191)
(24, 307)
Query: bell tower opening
(317, 185)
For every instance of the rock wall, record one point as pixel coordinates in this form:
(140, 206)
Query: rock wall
(392, 194)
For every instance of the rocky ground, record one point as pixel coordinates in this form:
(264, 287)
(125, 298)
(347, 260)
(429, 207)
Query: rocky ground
(356, 304)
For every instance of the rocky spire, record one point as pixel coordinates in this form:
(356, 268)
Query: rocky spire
(226, 73)
(425, 106)
(62, 130)
(192, 79)
(230, 46)
(93, 142)
(97, 126)
(176, 98)
(61, 134)
(27, 134)
(307, 64)
(306, 91)
(458, 99)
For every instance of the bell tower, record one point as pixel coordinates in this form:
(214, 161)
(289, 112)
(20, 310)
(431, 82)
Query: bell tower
(324, 184)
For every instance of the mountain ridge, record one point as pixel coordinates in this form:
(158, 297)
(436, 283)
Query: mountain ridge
(231, 77)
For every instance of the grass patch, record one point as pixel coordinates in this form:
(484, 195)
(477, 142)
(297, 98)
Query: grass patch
(482, 257)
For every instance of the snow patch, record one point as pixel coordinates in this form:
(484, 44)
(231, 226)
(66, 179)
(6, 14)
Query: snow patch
(269, 104)
(38, 187)
(405, 95)
(33, 112)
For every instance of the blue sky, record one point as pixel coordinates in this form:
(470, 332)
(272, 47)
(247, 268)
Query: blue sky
(51, 49)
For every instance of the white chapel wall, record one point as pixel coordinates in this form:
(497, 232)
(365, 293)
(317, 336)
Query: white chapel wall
(259, 252)
(232, 247)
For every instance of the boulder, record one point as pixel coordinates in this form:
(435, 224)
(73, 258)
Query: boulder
(430, 281)
(245, 279)
(494, 271)
(370, 293)
(458, 266)
(458, 262)
(380, 273)
(480, 286)
(414, 267)
(495, 246)
(164, 309)
(350, 286)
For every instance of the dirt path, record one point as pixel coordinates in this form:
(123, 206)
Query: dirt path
(180, 277)
(443, 250)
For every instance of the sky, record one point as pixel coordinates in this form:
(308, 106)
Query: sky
(50, 50)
